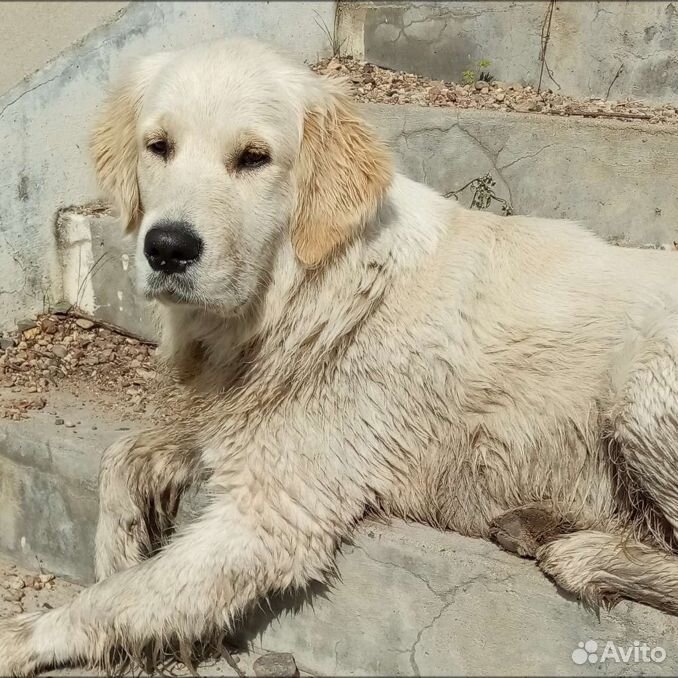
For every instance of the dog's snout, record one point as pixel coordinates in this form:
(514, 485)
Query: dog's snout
(171, 247)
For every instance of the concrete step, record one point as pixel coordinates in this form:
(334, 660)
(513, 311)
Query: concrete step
(409, 600)
(593, 49)
(617, 178)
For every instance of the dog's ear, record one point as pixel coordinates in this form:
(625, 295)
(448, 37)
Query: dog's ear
(114, 142)
(343, 173)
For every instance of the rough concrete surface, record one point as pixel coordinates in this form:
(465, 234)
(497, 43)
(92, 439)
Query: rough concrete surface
(409, 600)
(594, 48)
(45, 121)
(615, 177)
(35, 32)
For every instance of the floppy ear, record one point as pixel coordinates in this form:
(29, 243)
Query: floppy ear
(114, 141)
(343, 174)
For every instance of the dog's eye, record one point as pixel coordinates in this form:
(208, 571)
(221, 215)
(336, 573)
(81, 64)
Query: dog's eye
(252, 158)
(159, 148)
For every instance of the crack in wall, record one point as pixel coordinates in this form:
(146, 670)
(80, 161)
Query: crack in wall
(28, 91)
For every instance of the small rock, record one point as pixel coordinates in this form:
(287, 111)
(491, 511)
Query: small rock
(6, 343)
(49, 326)
(25, 324)
(16, 584)
(46, 577)
(59, 351)
(480, 84)
(29, 580)
(499, 96)
(58, 421)
(69, 424)
(31, 333)
(84, 323)
(275, 664)
(62, 308)
(525, 106)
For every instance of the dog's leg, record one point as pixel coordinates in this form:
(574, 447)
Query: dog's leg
(645, 415)
(524, 529)
(241, 548)
(141, 481)
(602, 568)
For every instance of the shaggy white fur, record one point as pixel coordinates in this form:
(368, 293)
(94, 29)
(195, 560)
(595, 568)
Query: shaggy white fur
(348, 341)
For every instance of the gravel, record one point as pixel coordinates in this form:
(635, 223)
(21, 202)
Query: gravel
(76, 354)
(372, 83)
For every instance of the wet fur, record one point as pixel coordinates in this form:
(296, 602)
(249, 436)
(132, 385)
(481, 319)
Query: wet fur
(401, 354)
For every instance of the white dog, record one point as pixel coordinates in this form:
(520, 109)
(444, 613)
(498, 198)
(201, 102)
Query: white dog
(350, 340)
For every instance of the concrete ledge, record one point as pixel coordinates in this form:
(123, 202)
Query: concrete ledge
(410, 600)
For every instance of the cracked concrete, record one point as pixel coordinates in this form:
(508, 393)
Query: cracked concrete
(588, 42)
(556, 167)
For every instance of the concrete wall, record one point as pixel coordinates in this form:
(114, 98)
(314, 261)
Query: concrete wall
(45, 121)
(33, 33)
(589, 42)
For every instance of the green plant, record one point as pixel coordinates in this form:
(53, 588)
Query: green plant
(476, 72)
(483, 194)
(468, 77)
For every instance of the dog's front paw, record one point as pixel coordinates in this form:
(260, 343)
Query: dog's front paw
(16, 656)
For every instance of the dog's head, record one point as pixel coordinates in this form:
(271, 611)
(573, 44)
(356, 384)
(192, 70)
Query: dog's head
(220, 155)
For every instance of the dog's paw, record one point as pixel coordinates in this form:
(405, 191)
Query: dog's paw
(16, 656)
(525, 529)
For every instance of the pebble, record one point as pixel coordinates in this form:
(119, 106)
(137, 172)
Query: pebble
(59, 351)
(6, 342)
(49, 325)
(25, 324)
(62, 308)
(58, 421)
(84, 323)
(275, 664)
(69, 424)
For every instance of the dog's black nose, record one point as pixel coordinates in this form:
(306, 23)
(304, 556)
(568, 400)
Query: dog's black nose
(171, 246)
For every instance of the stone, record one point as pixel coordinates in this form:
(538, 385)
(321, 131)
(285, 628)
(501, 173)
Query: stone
(26, 324)
(6, 343)
(84, 323)
(61, 308)
(276, 664)
(525, 106)
(59, 351)
(58, 421)
(49, 325)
